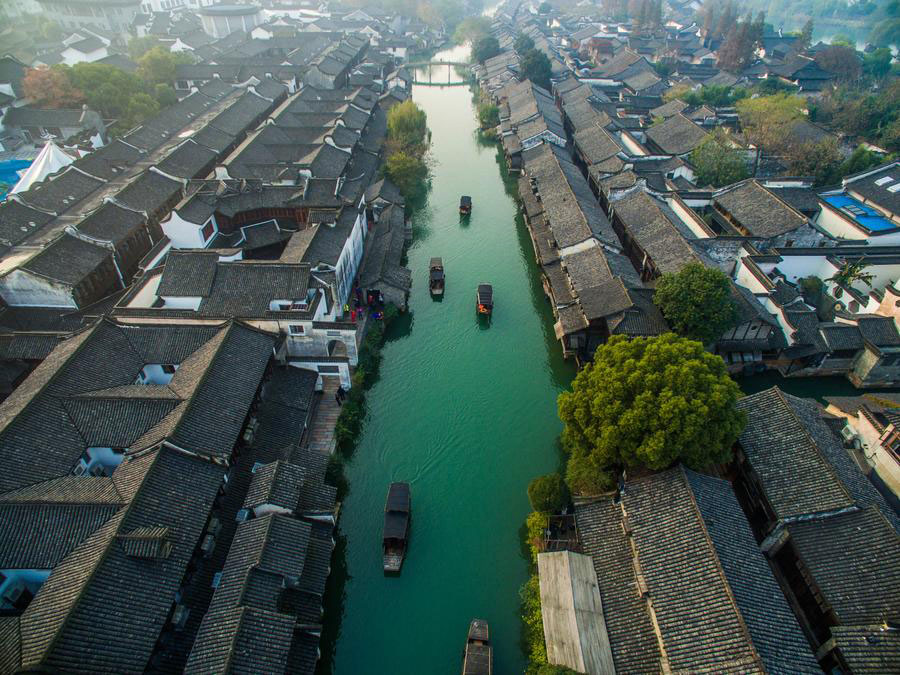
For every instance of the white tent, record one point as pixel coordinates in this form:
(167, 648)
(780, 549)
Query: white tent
(49, 160)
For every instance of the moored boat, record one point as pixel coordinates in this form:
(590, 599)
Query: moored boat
(484, 299)
(479, 654)
(396, 527)
(465, 205)
(436, 276)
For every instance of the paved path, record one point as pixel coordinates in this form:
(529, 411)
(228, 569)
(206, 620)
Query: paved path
(321, 434)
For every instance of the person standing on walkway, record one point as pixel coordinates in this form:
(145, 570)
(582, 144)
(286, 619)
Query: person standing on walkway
(341, 393)
(338, 396)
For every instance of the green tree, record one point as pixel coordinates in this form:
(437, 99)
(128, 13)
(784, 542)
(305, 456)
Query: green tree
(841, 40)
(532, 621)
(649, 402)
(697, 302)
(535, 66)
(485, 48)
(878, 63)
(885, 33)
(138, 46)
(407, 172)
(804, 38)
(157, 66)
(717, 161)
(843, 62)
(164, 95)
(140, 107)
(852, 271)
(815, 159)
(766, 120)
(548, 494)
(522, 43)
(488, 115)
(408, 127)
(472, 29)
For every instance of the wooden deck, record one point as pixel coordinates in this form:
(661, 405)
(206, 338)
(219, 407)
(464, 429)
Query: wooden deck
(321, 432)
(574, 626)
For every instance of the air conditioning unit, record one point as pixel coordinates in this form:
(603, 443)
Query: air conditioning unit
(242, 515)
(848, 433)
(180, 617)
(98, 470)
(209, 543)
(214, 526)
(80, 469)
(13, 592)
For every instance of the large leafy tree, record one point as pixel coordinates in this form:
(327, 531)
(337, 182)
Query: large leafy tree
(647, 402)
(485, 48)
(407, 172)
(548, 494)
(696, 302)
(717, 161)
(51, 88)
(766, 120)
(523, 43)
(408, 126)
(843, 62)
(157, 66)
(535, 66)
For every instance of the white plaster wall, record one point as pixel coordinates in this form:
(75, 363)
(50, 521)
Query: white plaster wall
(184, 234)
(20, 288)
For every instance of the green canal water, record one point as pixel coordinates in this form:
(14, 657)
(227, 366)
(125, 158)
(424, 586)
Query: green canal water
(465, 411)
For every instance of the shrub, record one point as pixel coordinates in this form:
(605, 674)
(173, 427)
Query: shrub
(548, 494)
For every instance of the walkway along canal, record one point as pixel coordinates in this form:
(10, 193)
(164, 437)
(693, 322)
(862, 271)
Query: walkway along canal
(466, 413)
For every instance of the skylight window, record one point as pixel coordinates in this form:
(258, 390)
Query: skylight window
(884, 181)
(894, 188)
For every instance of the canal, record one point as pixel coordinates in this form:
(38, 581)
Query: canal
(464, 411)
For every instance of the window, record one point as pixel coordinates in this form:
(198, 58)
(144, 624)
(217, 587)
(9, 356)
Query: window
(168, 368)
(207, 231)
(296, 329)
(329, 370)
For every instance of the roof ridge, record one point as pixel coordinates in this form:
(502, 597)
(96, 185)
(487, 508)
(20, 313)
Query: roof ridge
(718, 564)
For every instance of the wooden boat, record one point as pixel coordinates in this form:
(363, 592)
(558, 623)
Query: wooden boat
(479, 655)
(396, 526)
(484, 299)
(436, 276)
(465, 205)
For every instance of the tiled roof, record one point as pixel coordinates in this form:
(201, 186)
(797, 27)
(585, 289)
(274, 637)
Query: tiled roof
(799, 461)
(712, 596)
(67, 259)
(111, 223)
(850, 559)
(759, 211)
(676, 135)
(868, 650)
(99, 590)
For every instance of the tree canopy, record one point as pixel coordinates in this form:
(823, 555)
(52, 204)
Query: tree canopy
(113, 92)
(842, 61)
(51, 88)
(766, 120)
(535, 66)
(407, 126)
(485, 48)
(407, 172)
(548, 494)
(696, 302)
(717, 161)
(157, 65)
(647, 402)
(522, 43)
(472, 29)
